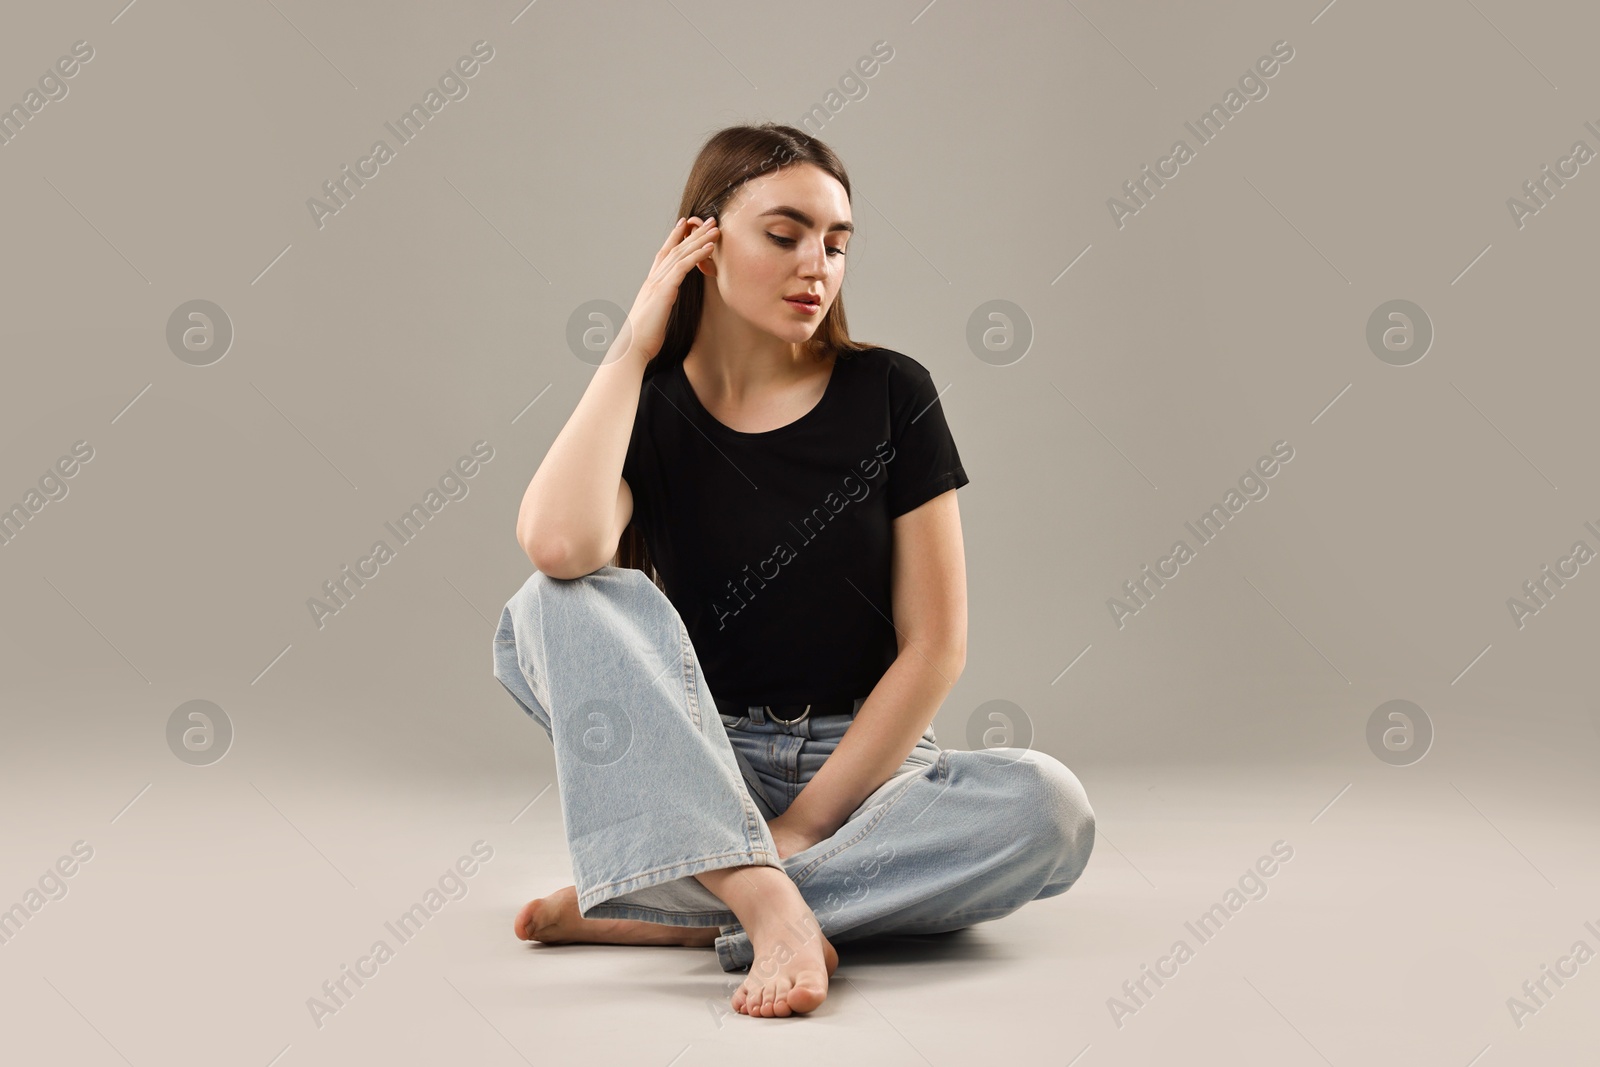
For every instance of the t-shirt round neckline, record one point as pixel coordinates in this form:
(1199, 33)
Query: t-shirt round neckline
(762, 435)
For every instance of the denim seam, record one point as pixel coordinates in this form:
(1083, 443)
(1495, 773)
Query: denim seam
(649, 880)
(752, 817)
(691, 688)
(804, 874)
(544, 652)
(700, 919)
(791, 771)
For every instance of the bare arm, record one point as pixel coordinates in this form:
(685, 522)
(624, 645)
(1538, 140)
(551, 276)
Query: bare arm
(578, 504)
(929, 601)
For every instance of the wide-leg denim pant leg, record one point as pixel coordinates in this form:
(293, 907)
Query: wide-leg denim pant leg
(651, 791)
(657, 785)
(952, 839)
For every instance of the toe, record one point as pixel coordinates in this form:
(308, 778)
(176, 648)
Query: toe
(806, 995)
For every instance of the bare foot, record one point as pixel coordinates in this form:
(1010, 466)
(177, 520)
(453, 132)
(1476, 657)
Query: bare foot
(793, 960)
(554, 920)
(784, 980)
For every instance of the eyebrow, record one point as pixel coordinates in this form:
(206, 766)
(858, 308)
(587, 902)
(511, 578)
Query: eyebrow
(806, 220)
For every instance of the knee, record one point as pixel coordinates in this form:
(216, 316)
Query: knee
(519, 637)
(521, 614)
(530, 592)
(519, 620)
(546, 610)
(526, 606)
(1060, 806)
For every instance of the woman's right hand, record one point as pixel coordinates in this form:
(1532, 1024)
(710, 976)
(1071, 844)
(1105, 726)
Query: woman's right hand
(689, 243)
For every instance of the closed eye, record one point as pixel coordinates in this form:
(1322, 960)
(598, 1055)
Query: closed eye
(787, 241)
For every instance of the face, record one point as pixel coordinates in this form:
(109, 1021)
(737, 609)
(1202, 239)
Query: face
(782, 234)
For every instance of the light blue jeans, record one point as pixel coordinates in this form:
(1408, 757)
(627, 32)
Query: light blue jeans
(657, 785)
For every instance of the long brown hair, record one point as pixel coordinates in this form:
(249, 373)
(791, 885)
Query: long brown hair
(727, 160)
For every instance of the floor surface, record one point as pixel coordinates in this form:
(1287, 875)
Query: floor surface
(1413, 904)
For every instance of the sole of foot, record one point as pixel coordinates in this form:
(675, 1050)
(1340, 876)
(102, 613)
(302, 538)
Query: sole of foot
(554, 920)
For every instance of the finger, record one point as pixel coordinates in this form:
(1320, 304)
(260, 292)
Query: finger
(688, 252)
(694, 257)
(679, 234)
(672, 239)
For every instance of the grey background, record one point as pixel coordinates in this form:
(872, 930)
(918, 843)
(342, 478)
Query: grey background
(431, 312)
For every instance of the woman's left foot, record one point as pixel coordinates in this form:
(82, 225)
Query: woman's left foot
(554, 920)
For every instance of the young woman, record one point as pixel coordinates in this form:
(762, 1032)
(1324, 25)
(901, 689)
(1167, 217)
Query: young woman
(748, 513)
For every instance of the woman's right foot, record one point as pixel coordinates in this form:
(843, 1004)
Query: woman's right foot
(554, 920)
(793, 960)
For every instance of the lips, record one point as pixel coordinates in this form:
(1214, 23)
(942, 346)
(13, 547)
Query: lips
(805, 298)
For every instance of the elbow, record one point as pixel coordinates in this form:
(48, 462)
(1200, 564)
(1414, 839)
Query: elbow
(945, 658)
(555, 559)
(545, 550)
(526, 539)
(547, 554)
(956, 660)
(952, 655)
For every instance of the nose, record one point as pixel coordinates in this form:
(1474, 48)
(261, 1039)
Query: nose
(814, 263)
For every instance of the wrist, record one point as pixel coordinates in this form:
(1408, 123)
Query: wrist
(796, 819)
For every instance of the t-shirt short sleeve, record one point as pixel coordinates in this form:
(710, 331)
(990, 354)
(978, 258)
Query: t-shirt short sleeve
(925, 461)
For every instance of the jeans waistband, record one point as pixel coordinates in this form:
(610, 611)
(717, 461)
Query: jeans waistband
(788, 714)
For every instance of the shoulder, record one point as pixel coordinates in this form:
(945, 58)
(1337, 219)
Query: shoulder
(655, 374)
(899, 370)
(657, 380)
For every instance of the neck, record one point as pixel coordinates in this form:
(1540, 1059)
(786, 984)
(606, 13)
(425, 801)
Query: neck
(735, 359)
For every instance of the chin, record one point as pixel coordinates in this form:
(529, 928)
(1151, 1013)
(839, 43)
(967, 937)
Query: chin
(793, 332)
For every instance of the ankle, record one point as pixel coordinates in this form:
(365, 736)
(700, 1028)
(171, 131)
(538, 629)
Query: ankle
(749, 891)
(744, 882)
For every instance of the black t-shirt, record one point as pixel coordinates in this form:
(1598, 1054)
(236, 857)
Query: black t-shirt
(774, 547)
